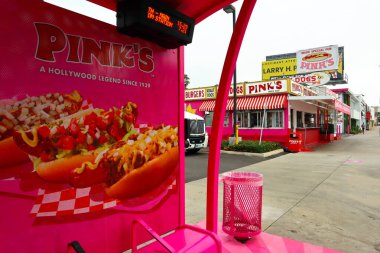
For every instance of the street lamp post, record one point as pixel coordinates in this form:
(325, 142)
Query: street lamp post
(231, 9)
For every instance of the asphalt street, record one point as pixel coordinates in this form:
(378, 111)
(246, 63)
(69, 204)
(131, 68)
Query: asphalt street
(196, 164)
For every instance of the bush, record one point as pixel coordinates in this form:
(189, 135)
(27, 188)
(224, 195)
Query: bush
(355, 130)
(251, 146)
(224, 144)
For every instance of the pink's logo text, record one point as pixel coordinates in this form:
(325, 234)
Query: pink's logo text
(52, 40)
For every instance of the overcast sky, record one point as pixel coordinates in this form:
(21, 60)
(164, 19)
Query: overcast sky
(279, 26)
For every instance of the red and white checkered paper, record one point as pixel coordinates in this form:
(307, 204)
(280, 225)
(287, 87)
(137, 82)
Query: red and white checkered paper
(71, 201)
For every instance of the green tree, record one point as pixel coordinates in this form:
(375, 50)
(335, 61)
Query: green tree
(187, 81)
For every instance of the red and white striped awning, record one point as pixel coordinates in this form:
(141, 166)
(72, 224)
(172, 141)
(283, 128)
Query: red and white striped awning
(250, 103)
(207, 106)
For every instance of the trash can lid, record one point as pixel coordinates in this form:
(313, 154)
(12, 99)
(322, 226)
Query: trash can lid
(253, 178)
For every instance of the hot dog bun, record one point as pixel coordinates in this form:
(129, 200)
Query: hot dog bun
(10, 154)
(146, 178)
(60, 170)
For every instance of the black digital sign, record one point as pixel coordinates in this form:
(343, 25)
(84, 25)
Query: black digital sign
(154, 21)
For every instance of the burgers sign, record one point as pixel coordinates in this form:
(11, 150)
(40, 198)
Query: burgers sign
(317, 59)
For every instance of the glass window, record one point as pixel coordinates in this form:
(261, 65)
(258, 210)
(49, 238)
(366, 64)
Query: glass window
(275, 119)
(255, 119)
(196, 126)
(226, 119)
(210, 116)
(299, 119)
(242, 118)
(310, 119)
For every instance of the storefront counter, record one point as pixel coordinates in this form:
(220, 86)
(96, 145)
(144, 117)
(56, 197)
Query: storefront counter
(309, 135)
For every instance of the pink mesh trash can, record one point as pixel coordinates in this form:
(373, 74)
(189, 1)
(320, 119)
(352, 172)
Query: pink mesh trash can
(242, 204)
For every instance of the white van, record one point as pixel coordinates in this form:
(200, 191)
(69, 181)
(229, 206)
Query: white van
(195, 133)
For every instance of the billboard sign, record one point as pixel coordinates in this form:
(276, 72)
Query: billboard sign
(317, 59)
(273, 69)
(281, 67)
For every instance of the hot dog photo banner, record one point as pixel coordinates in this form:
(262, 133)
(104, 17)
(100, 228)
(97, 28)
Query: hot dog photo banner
(89, 132)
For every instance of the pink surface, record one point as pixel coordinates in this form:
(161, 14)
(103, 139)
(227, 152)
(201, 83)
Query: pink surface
(267, 243)
(111, 70)
(186, 238)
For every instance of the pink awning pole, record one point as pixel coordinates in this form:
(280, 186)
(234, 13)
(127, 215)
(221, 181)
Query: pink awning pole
(219, 112)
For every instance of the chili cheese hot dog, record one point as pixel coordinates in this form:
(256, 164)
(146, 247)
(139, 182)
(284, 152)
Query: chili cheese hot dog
(135, 166)
(28, 113)
(61, 146)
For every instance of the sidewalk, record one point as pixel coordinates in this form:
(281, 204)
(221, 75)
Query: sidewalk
(330, 197)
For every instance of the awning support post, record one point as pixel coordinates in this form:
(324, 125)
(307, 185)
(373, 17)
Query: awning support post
(219, 113)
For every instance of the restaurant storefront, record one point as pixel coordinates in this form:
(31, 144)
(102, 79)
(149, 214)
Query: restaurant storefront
(321, 118)
(271, 110)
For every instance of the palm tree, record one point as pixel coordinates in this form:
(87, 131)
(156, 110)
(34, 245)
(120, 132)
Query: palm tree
(187, 81)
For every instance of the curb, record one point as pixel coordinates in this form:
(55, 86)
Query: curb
(267, 154)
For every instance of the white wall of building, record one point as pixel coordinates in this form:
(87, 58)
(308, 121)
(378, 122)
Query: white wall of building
(355, 105)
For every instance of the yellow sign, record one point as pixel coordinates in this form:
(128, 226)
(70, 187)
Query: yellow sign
(284, 67)
(210, 92)
(195, 94)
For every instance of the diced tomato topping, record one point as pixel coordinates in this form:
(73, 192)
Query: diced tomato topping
(115, 131)
(129, 117)
(80, 138)
(90, 147)
(91, 132)
(61, 130)
(46, 156)
(44, 132)
(110, 116)
(91, 118)
(74, 127)
(101, 123)
(66, 142)
(103, 139)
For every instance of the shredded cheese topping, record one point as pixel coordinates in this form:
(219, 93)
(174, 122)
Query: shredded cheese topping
(135, 153)
(148, 145)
